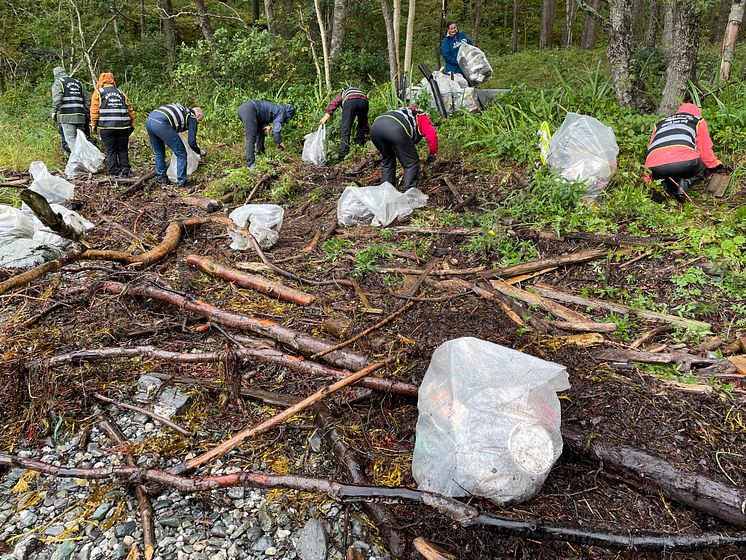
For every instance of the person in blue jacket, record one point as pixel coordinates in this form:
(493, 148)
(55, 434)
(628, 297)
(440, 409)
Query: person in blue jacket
(449, 47)
(261, 118)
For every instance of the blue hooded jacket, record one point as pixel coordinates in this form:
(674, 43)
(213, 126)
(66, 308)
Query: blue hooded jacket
(274, 114)
(449, 50)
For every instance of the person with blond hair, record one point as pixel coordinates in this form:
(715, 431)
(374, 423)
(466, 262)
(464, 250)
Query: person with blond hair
(113, 117)
(163, 125)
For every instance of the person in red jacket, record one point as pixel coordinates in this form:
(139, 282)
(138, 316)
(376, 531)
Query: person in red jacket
(395, 134)
(680, 150)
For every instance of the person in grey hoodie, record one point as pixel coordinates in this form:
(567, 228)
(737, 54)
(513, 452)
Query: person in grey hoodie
(261, 118)
(71, 103)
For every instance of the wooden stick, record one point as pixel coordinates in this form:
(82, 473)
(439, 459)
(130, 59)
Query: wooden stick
(431, 552)
(464, 514)
(562, 260)
(20, 280)
(553, 293)
(589, 327)
(206, 204)
(274, 289)
(495, 296)
(649, 335)
(547, 305)
(136, 186)
(230, 444)
(153, 415)
(684, 359)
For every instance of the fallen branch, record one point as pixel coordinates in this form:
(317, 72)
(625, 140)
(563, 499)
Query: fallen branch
(301, 342)
(562, 260)
(20, 280)
(206, 204)
(349, 493)
(552, 307)
(429, 551)
(699, 492)
(137, 185)
(274, 289)
(684, 359)
(589, 327)
(53, 220)
(492, 295)
(619, 239)
(650, 335)
(149, 414)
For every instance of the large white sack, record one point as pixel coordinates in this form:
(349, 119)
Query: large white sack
(314, 146)
(378, 205)
(474, 64)
(44, 234)
(193, 160)
(489, 421)
(14, 224)
(84, 159)
(55, 189)
(265, 222)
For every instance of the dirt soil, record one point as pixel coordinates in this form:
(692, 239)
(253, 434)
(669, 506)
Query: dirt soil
(695, 428)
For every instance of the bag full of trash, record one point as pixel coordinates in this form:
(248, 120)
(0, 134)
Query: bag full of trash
(14, 224)
(314, 146)
(265, 222)
(193, 159)
(84, 159)
(489, 422)
(378, 205)
(55, 189)
(76, 221)
(584, 149)
(474, 64)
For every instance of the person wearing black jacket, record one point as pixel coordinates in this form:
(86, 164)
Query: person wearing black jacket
(259, 119)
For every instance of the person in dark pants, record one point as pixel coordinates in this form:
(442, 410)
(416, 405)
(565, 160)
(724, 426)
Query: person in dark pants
(354, 106)
(112, 116)
(163, 126)
(680, 150)
(65, 147)
(395, 134)
(259, 119)
(70, 105)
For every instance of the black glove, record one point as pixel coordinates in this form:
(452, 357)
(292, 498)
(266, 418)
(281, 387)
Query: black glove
(430, 158)
(720, 169)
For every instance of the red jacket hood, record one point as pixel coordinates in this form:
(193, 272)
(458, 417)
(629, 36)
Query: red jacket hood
(691, 109)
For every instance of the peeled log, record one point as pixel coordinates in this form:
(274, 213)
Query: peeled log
(274, 289)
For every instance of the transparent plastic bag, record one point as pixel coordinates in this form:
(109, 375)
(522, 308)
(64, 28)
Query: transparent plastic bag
(378, 205)
(55, 189)
(314, 146)
(84, 159)
(265, 223)
(14, 224)
(193, 159)
(450, 87)
(584, 149)
(44, 234)
(489, 421)
(474, 64)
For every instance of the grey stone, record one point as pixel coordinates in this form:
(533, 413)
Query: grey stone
(120, 551)
(263, 544)
(64, 550)
(233, 551)
(162, 504)
(54, 530)
(124, 529)
(101, 511)
(24, 548)
(265, 521)
(311, 543)
(171, 401)
(236, 493)
(27, 253)
(253, 533)
(27, 518)
(85, 552)
(146, 386)
(170, 522)
(218, 531)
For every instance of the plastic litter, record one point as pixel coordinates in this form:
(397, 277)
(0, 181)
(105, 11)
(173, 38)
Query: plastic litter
(474, 64)
(314, 146)
(14, 224)
(26, 253)
(45, 235)
(378, 205)
(265, 222)
(84, 159)
(193, 159)
(55, 189)
(584, 149)
(489, 421)
(454, 91)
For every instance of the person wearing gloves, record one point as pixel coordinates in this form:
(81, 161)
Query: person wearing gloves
(395, 134)
(680, 150)
(112, 116)
(354, 106)
(259, 119)
(450, 45)
(163, 126)
(70, 105)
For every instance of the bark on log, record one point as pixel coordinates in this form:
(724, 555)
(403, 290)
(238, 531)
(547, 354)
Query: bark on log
(137, 185)
(562, 260)
(684, 359)
(274, 289)
(558, 310)
(699, 492)
(301, 342)
(206, 204)
(349, 493)
(430, 551)
(590, 327)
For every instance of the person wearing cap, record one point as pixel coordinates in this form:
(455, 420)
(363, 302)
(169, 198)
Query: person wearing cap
(354, 106)
(70, 105)
(113, 117)
(395, 134)
(261, 118)
(680, 150)
(449, 46)
(163, 126)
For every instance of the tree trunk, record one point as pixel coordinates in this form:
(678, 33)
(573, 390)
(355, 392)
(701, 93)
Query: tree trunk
(620, 50)
(717, 29)
(548, 11)
(142, 21)
(637, 18)
(204, 22)
(388, 22)
(588, 38)
(269, 14)
(572, 9)
(476, 20)
(514, 32)
(169, 28)
(408, 40)
(324, 45)
(729, 39)
(654, 18)
(681, 55)
(339, 28)
(254, 11)
(396, 20)
(115, 24)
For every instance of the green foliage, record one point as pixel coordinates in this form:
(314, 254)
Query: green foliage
(334, 248)
(365, 260)
(687, 283)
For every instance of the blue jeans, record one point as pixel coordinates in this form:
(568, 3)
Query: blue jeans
(161, 133)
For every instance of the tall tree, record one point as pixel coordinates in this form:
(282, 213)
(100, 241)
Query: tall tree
(570, 12)
(735, 18)
(166, 11)
(625, 76)
(548, 12)
(324, 45)
(680, 50)
(654, 18)
(388, 21)
(514, 30)
(142, 21)
(339, 28)
(476, 20)
(408, 40)
(204, 23)
(254, 11)
(270, 15)
(396, 22)
(588, 38)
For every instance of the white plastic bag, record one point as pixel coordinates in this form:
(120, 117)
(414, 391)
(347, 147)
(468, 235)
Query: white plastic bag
(584, 149)
(474, 64)
(314, 146)
(193, 159)
(14, 224)
(265, 222)
(489, 421)
(44, 234)
(378, 205)
(84, 159)
(55, 189)
(25, 253)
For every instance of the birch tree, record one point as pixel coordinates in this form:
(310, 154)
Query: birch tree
(729, 38)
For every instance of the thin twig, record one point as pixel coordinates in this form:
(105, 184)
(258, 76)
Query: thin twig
(153, 415)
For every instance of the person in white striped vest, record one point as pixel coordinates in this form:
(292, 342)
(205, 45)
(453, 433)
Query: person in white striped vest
(70, 105)
(354, 106)
(163, 125)
(112, 115)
